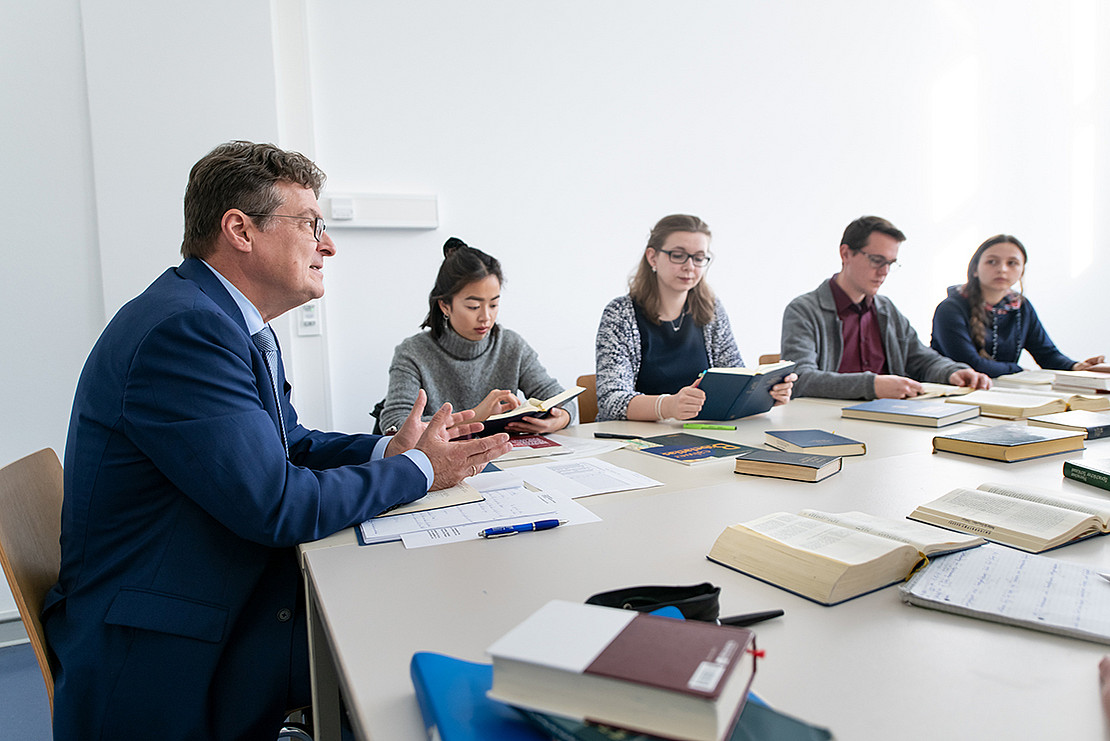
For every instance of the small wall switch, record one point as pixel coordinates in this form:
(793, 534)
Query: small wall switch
(342, 209)
(308, 319)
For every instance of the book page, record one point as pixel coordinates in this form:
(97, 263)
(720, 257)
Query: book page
(828, 540)
(1086, 505)
(1008, 586)
(925, 538)
(1041, 520)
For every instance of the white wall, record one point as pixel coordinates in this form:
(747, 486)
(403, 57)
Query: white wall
(556, 135)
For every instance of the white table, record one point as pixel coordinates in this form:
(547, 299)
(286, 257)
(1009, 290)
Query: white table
(871, 668)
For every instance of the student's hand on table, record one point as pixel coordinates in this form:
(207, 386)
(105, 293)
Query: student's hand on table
(557, 419)
(454, 460)
(896, 387)
(408, 435)
(781, 392)
(684, 405)
(970, 377)
(496, 402)
(1085, 364)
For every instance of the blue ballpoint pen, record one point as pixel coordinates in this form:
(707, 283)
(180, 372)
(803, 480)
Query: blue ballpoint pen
(527, 527)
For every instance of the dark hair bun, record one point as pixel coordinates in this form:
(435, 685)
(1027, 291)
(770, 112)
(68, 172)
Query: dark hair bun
(452, 244)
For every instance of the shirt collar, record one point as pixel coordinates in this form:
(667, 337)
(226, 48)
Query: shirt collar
(843, 303)
(251, 315)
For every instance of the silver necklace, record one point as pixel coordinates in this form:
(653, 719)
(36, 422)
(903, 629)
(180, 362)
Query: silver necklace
(681, 318)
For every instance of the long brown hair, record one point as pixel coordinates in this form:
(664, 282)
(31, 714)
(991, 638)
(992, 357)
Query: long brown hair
(644, 285)
(979, 316)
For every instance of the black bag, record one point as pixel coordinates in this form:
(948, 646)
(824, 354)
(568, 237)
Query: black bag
(697, 602)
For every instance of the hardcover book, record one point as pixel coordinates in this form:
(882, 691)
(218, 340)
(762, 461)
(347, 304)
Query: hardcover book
(820, 442)
(531, 408)
(1095, 473)
(1092, 424)
(1009, 404)
(684, 447)
(910, 412)
(1087, 380)
(780, 464)
(683, 679)
(1009, 442)
(831, 557)
(731, 393)
(1022, 517)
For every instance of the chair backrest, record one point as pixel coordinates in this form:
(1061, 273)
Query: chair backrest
(30, 528)
(773, 358)
(587, 400)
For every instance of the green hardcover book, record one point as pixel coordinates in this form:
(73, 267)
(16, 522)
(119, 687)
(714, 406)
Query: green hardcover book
(1095, 473)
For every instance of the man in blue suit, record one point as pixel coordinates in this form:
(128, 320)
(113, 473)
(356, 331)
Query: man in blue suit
(179, 610)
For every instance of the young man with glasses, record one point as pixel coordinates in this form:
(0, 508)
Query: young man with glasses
(849, 342)
(179, 610)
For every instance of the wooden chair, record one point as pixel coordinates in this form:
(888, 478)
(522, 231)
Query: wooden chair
(587, 400)
(30, 526)
(772, 358)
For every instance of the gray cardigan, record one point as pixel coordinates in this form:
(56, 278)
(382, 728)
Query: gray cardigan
(812, 338)
(462, 372)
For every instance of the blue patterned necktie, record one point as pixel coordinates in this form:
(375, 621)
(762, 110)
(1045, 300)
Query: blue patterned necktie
(264, 340)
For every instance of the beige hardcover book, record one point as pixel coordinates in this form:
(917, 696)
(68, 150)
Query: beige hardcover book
(830, 558)
(1009, 404)
(1031, 519)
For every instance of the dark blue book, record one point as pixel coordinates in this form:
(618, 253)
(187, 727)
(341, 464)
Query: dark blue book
(818, 442)
(911, 412)
(732, 393)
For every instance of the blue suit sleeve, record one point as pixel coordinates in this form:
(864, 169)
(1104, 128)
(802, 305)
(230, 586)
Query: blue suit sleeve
(193, 405)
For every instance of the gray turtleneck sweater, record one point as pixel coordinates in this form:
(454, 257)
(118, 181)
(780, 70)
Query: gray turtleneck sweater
(461, 371)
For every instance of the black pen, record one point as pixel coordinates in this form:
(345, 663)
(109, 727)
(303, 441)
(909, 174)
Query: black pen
(751, 618)
(615, 436)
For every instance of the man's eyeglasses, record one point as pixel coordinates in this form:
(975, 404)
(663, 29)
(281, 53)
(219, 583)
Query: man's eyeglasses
(318, 225)
(878, 261)
(678, 257)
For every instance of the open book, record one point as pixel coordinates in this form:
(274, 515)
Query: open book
(1024, 517)
(830, 558)
(532, 408)
(731, 393)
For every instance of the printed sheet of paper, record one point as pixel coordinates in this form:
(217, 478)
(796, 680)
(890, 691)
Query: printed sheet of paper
(562, 508)
(583, 477)
(581, 447)
(1008, 586)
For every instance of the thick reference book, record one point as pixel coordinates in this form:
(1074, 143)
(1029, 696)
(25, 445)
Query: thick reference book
(731, 393)
(532, 408)
(690, 449)
(683, 679)
(1023, 517)
(1005, 586)
(1095, 473)
(1092, 424)
(1009, 442)
(820, 442)
(830, 558)
(780, 464)
(1088, 380)
(910, 412)
(1009, 404)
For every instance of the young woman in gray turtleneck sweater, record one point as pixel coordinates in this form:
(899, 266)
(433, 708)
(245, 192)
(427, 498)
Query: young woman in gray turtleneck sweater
(465, 357)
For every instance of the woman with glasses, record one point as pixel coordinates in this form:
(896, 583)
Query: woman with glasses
(986, 324)
(465, 357)
(654, 342)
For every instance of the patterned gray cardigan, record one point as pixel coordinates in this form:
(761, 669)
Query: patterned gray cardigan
(618, 354)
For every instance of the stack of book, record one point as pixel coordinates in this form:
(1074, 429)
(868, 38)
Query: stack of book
(1092, 424)
(1082, 382)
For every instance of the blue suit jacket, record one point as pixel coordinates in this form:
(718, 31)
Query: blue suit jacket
(179, 609)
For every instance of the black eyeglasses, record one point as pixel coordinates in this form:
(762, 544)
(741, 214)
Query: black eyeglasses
(318, 225)
(678, 257)
(878, 261)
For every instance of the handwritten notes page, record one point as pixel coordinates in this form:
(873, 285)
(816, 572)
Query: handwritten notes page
(1007, 586)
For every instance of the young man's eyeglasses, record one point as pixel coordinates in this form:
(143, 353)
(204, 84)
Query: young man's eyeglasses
(678, 257)
(318, 225)
(878, 261)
